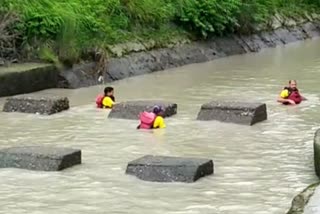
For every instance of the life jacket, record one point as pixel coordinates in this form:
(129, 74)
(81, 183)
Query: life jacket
(146, 120)
(99, 100)
(294, 95)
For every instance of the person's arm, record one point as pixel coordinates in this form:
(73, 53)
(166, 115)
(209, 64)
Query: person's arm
(111, 103)
(283, 100)
(303, 98)
(283, 97)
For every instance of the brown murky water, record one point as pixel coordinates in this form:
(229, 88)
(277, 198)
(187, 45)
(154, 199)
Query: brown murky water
(258, 169)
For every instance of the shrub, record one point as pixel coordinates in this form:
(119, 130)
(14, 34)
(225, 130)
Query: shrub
(205, 17)
(69, 28)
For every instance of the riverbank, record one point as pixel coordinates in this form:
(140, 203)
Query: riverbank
(132, 59)
(73, 31)
(137, 58)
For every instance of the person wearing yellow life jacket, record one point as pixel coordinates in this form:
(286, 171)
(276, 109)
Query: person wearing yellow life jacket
(152, 120)
(107, 99)
(290, 95)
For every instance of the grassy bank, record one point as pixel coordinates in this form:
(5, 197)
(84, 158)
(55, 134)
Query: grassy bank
(67, 31)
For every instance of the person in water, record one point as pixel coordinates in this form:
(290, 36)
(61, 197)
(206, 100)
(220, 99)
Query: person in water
(152, 120)
(290, 95)
(106, 100)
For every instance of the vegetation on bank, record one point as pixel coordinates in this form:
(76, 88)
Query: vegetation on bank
(68, 30)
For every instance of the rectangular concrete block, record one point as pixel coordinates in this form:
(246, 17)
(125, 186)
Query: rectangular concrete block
(36, 104)
(131, 109)
(39, 158)
(233, 112)
(170, 169)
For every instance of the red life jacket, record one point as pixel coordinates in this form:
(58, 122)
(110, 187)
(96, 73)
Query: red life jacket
(294, 95)
(99, 100)
(146, 120)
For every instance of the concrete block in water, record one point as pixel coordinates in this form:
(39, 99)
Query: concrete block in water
(234, 112)
(36, 104)
(39, 158)
(131, 109)
(316, 149)
(170, 169)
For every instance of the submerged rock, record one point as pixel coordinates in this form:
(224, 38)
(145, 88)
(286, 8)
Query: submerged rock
(234, 112)
(131, 109)
(39, 158)
(316, 149)
(170, 169)
(301, 200)
(36, 104)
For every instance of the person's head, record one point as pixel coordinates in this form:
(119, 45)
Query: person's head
(158, 110)
(108, 91)
(293, 84)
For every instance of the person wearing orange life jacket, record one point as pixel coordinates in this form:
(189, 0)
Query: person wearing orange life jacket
(152, 120)
(290, 95)
(107, 99)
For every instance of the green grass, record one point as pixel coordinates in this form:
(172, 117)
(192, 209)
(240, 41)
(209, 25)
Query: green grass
(66, 30)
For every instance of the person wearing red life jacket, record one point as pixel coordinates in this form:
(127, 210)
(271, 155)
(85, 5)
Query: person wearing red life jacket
(107, 99)
(290, 95)
(152, 120)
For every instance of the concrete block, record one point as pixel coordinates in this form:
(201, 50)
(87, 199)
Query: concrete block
(36, 104)
(131, 109)
(170, 169)
(233, 112)
(39, 158)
